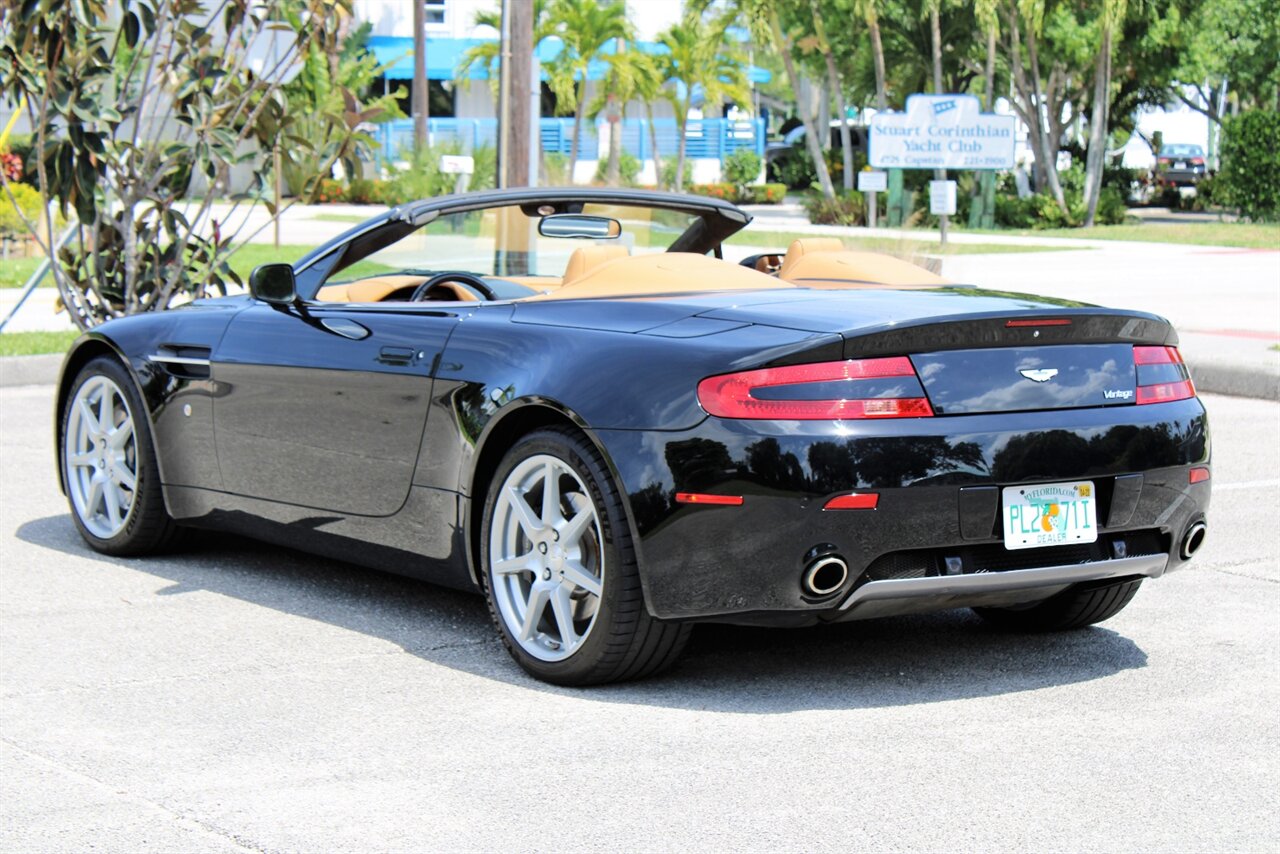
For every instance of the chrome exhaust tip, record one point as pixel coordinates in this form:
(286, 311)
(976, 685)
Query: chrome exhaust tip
(825, 575)
(1192, 540)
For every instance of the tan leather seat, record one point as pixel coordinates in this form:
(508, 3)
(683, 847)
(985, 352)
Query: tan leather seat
(848, 269)
(803, 246)
(586, 258)
(663, 273)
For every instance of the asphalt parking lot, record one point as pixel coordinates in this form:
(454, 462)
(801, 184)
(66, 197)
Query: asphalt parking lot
(245, 697)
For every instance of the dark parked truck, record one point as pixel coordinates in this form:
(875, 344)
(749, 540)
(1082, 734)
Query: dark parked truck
(567, 400)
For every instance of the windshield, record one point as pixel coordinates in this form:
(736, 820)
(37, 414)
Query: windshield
(505, 241)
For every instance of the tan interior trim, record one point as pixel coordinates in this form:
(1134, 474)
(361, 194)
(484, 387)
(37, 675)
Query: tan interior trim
(847, 268)
(803, 246)
(663, 273)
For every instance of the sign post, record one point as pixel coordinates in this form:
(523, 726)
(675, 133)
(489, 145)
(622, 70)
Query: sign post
(460, 165)
(869, 183)
(942, 132)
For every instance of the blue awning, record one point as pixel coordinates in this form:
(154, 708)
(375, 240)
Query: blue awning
(445, 55)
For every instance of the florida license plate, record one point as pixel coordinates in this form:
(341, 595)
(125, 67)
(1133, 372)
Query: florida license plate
(1181, 164)
(1049, 514)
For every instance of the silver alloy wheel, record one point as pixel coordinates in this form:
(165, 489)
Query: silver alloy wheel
(546, 561)
(101, 452)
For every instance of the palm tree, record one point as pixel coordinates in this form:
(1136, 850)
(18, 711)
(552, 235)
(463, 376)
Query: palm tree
(1112, 17)
(585, 27)
(869, 9)
(631, 74)
(697, 58)
(765, 25)
(833, 82)
(489, 52)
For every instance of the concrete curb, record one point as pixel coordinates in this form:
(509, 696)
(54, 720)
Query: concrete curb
(30, 370)
(1212, 377)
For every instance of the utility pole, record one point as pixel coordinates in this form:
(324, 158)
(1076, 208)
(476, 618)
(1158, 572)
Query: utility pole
(519, 105)
(419, 76)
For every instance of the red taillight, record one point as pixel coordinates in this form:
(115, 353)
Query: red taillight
(1157, 387)
(1199, 474)
(1199, 161)
(1165, 161)
(731, 395)
(707, 498)
(1156, 356)
(854, 501)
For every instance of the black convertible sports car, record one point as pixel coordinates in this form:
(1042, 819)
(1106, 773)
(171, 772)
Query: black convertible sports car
(568, 400)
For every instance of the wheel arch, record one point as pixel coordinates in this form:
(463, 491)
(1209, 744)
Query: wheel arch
(88, 347)
(517, 419)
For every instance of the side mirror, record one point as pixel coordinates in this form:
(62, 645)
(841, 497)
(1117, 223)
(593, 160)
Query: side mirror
(579, 225)
(274, 283)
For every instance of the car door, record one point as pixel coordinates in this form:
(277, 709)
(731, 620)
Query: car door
(325, 406)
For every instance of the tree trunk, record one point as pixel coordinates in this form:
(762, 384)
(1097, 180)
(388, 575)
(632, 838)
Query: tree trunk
(653, 143)
(846, 137)
(1048, 149)
(990, 72)
(680, 126)
(1095, 160)
(614, 173)
(575, 149)
(811, 139)
(877, 49)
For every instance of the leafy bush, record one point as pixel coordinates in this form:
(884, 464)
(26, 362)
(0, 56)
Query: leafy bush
(555, 169)
(327, 192)
(668, 177)
(742, 167)
(762, 194)
(1250, 174)
(28, 199)
(628, 168)
(844, 209)
(1042, 211)
(363, 191)
(715, 191)
(794, 168)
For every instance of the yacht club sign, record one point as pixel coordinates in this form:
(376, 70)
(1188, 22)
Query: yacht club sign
(942, 132)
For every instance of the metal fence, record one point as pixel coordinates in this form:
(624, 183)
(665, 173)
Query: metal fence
(712, 139)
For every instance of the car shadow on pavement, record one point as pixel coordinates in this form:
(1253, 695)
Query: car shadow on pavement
(888, 662)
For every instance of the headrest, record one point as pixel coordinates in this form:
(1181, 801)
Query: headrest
(806, 246)
(586, 258)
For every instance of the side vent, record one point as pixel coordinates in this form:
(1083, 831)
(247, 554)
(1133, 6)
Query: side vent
(183, 361)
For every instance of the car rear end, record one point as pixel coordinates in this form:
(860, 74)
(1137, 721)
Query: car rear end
(1181, 166)
(984, 459)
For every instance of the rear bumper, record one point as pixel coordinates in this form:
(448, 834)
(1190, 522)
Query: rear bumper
(934, 541)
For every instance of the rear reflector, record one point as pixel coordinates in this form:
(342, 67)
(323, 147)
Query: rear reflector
(854, 501)
(707, 498)
(730, 395)
(1147, 360)
(1052, 321)
(1199, 474)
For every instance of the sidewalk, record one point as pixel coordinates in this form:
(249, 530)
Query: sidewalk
(1224, 302)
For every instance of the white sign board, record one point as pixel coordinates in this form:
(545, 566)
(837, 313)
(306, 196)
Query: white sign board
(873, 182)
(942, 197)
(457, 164)
(942, 132)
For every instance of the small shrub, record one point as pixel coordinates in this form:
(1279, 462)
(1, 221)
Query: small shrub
(555, 169)
(844, 209)
(761, 194)
(668, 177)
(1112, 209)
(715, 191)
(327, 192)
(363, 191)
(1250, 174)
(22, 146)
(11, 166)
(28, 199)
(742, 167)
(794, 168)
(628, 168)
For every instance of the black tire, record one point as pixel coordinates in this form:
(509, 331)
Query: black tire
(625, 642)
(1080, 606)
(148, 528)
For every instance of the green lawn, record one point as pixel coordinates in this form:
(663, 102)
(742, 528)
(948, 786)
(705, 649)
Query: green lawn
(1245, 235)
(34, 343)
(336, 217)
(895, 245)
(15, 272)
